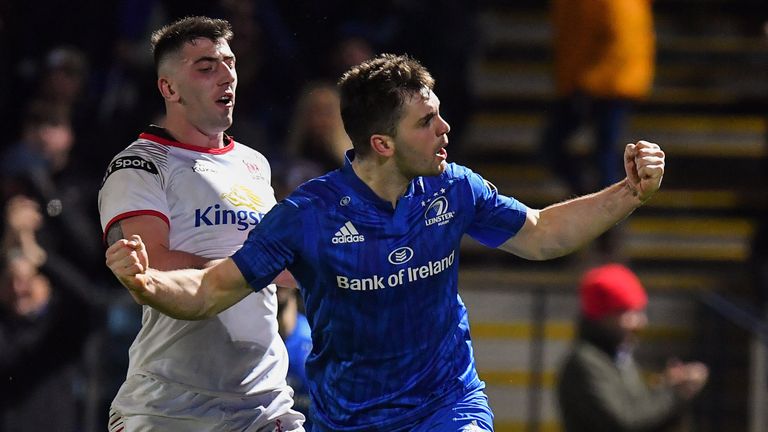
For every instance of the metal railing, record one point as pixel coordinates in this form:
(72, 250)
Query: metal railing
(755, 322)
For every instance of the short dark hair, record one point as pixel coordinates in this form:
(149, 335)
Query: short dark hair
(373, 93)
(172, 37)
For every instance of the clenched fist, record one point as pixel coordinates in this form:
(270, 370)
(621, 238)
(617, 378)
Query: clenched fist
(644, 164)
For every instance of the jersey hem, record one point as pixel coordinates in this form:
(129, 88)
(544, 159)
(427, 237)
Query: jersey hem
(208, 392)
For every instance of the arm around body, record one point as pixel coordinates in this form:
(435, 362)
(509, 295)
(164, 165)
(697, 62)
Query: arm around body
(189, 294)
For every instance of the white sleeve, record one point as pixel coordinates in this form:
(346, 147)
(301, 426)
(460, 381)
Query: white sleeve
(134, 185)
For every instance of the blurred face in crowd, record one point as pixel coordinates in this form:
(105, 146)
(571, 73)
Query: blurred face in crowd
(22, 290)
(56, 142)
(322, 113)
(199, 83)
(421, 137)
(63, 84)
(627, 325)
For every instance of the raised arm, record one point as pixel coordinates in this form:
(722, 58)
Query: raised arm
(565, 227)
(189, 294)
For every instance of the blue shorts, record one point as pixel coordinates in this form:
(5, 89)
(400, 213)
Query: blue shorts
(469, 414)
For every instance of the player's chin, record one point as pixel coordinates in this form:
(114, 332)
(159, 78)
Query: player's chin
(441, 167)
(225, 122)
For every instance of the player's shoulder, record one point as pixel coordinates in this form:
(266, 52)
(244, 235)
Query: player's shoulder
(141, 155)
(453, 174)
(457, 172)
(142, 149)
(146, 146)
(248, 151)
(256, 163)
(319, 192)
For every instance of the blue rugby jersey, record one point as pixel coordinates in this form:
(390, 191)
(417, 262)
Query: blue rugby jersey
(390, 334)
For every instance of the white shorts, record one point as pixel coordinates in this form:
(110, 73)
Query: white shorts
(145, 403)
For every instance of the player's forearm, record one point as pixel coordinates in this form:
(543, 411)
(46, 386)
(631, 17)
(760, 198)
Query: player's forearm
(568, 226)
(178, 294)
(193, 294)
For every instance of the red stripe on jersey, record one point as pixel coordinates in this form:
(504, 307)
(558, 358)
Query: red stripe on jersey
(126, 215)
(165, 141)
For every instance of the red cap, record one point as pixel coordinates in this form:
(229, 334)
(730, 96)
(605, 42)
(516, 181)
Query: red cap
(612, 288)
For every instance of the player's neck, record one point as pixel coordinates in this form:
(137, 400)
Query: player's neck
(187, 133)
(382, 177)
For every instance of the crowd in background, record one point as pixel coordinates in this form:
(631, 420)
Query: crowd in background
(79, 87)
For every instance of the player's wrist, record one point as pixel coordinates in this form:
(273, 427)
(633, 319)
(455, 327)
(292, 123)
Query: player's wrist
(637, 195)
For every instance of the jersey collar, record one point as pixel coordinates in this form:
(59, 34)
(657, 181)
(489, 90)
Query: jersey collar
(161, 136)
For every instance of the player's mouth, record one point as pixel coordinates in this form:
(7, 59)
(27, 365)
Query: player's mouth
(227, 100)
(442, 154)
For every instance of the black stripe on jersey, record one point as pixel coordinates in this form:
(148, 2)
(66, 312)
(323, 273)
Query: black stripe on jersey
(149, 150)
(130, 162)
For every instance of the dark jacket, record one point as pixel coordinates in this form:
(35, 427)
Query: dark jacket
(600, 389)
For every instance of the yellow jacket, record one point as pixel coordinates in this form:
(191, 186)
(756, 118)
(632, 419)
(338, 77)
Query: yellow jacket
(604, 47)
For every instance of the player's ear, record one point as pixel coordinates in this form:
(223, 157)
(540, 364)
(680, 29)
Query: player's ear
(166, 89)
(382, 145)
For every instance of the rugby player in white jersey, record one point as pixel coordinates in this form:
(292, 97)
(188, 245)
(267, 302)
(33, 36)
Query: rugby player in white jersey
(193, 194)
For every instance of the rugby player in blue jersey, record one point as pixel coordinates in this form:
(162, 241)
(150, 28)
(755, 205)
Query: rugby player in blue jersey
(375, 249)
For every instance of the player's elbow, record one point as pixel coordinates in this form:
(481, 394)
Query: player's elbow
(534, 246)
(543, 253)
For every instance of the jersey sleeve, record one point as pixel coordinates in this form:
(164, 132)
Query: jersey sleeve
(497, 217)
(133, 185)
(271, 245)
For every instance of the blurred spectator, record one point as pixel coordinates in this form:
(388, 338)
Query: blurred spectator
(39, 166)
(294, 329)
(64, 75)
(251, 125)
(604, 60)
(316, 139)
(46, 140)
(22, 220)
(44, 323)
(443, 35)
(81, 28)
(349, 51)
(600, 387)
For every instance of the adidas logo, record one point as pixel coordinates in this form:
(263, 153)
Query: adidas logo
(347, 234)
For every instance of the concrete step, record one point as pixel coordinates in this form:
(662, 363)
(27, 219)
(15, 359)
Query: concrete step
(538, 187)
(722, 135)
(678, 238)
(689, 238)
(696, 64)
(532, 276)
(678, 82)
(730, 34)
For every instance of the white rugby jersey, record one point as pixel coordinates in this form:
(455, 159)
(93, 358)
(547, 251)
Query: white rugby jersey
(210, 199)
